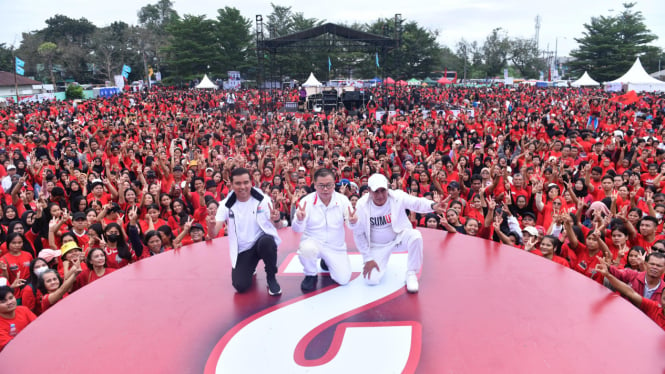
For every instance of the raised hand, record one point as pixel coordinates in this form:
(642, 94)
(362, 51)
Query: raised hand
(300, 211)
(353, 217)
(602, 267)
(188, 224)
(531, 244)
(274, 213)
(133, 214)
(18, 282)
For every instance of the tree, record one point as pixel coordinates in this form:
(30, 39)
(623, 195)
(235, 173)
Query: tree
(74, 91)
(192, 47)
(48, 51)
(111, 46)
(418, 54)
(234, 38)
(495, 52)
(280, 21)
(151, 38)
(524, 56)
(471, 57)
(6, 62)
(610, 44)
(73, 38)
(158, 15)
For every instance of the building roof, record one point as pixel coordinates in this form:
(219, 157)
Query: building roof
(7, 79)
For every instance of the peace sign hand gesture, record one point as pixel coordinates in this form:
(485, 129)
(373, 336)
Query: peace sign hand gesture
(274, 214)
(300, 211)
(353, 217)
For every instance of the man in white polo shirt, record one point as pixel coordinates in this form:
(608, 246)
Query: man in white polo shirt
(320, 217)
(383, 227)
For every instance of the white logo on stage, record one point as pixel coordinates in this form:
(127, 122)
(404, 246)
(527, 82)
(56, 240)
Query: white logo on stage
(270, 342)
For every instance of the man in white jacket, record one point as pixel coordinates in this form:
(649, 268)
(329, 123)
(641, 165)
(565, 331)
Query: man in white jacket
(383, 227)
(252, 232)
(320, 217)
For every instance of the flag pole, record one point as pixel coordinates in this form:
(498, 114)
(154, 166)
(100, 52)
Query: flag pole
(15, 80)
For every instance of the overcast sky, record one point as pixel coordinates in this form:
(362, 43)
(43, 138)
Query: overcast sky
(470, 19)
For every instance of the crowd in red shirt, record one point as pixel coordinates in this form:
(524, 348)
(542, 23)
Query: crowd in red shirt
(138, 174)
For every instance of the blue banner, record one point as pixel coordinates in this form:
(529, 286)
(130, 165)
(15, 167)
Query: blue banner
(377, 59)
(126, 69)
(19, 70)
(329, 63)
(19, 62)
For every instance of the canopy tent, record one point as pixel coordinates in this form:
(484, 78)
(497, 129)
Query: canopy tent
(429, 81)
(401, 83)
(413, 82)
(206, 83)
(443, 80)
(389, 81)
(637, 79)
(375, 80)
(585, 80)
(312, 85)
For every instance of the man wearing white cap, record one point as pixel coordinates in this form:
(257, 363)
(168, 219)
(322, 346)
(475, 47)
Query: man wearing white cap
(383, 227)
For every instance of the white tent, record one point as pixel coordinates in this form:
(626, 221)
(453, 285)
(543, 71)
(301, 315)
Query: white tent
(312, 85)
(206, 83)
(585, 80)
(637, 79)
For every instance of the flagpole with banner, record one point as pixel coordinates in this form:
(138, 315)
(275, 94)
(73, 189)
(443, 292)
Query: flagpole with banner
(15, 80)
(18, 69)
(376, 55)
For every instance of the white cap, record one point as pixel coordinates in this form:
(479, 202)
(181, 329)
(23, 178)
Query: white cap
(11, 166)
(531, 230)
(377, 181)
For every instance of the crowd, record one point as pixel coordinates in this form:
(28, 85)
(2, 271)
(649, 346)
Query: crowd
(89, 187)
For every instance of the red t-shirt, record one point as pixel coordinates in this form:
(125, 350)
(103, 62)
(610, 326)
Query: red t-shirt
(29, 299)
(17, 263)
(654, 311)
(582, 262)
(22, 318)
(88, 276)
(639, 240)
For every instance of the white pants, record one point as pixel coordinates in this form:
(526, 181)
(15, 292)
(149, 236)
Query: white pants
(338, 261)
(408, 240)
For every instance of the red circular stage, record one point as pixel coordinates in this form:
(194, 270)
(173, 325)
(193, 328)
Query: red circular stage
(482, 307)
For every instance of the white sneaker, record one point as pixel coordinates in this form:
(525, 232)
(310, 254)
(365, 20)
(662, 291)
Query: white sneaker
(411, 282)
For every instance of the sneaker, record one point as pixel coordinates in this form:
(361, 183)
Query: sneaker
(324, 266)
(273, 287)
(309, 283)
(411, 282)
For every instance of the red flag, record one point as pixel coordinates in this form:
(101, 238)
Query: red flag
(628, 98)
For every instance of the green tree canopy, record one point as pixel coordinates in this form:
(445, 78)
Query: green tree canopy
(609, 45)
(192, 47)
(235, 40)
(6, 62)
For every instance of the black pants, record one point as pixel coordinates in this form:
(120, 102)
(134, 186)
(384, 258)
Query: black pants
(264, 249)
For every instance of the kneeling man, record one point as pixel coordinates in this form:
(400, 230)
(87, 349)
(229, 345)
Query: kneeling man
(320, 217)
(382, 227)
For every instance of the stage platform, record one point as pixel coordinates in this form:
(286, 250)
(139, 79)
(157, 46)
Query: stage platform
(482, 308)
